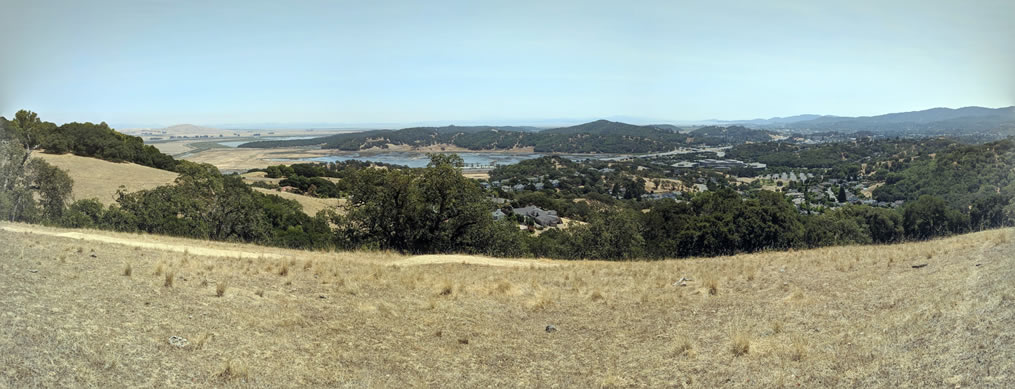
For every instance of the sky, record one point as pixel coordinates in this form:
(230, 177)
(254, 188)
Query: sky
(148, 63)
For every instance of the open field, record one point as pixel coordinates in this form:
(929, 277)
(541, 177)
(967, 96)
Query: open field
(79, 311)
(311, 205)
(95, 178)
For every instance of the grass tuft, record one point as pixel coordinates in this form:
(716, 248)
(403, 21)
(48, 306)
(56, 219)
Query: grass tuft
(220, 288)
(503, 287)
(740, 344)
(798, 349)
(127, 271)
(540, 302)
(203, 340)
(446, 289)
(682, 346)
(169, 279)
(234, 369)
(777, 327)
(284, 270)
(712, 285)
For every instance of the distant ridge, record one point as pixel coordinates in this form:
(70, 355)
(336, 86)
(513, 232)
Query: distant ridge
(929, 122)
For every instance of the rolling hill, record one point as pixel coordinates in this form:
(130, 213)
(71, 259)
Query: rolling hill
(600, 136)
(98, 309)
(98, 179)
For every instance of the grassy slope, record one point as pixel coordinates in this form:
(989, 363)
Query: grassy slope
(95, 178)
(850, 316)
(311, 205)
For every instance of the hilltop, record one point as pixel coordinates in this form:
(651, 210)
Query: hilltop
(856, 316)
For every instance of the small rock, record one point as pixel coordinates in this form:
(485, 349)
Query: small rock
(33, 271)
(178, 341)
(94, 256)
(551, 328)
(321, 297)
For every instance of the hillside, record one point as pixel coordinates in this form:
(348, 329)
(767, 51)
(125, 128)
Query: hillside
(600, 136)
(95, 178)
(965, 120)
(837, 317)
(733, 134)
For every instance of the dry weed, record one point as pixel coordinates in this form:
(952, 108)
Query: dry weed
(740, 344)
(169, 279)
(203, 340)
(503, 287)
(446, 289)
(712, 285)
(127, 271)
(797, 348)
(220, 288)
(540, 302)
(234, 369)
(682, 346)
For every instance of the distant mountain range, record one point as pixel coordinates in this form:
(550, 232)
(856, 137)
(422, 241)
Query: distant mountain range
(961, 121)
(935, 121)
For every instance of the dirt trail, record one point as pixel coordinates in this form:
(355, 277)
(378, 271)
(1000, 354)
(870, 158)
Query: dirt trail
(470, 260)
(203, 251)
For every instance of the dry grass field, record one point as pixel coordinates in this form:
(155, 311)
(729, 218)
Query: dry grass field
(98, 179)
(92, 309)
(95, 178)
(311, 205)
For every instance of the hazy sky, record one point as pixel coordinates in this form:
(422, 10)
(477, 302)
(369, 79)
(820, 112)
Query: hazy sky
(214, 62)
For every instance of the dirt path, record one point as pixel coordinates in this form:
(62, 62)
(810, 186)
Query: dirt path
(203, 251)
(470, 260)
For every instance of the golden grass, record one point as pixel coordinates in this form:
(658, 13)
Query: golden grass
(169, 280)
(380, 319)
(740, 344)
(311, 205)
(98, 179)
(220, 288)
